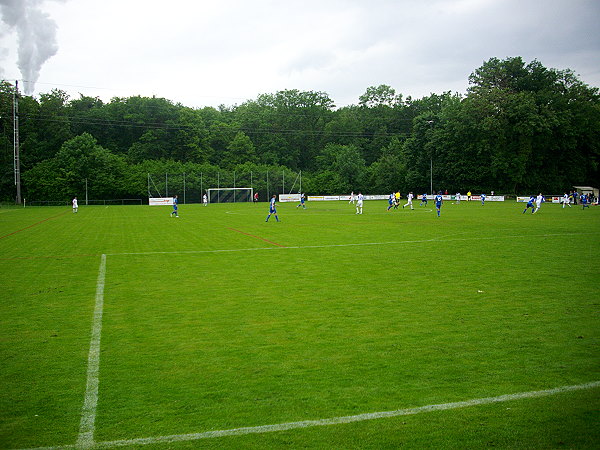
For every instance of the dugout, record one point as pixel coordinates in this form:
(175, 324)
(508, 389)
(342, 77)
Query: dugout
(587, 190)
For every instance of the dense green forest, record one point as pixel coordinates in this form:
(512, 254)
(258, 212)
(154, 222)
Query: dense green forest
(520, 128)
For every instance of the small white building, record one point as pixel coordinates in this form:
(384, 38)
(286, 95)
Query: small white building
(587, 190)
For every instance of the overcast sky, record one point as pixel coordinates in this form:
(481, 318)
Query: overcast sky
(206, 53)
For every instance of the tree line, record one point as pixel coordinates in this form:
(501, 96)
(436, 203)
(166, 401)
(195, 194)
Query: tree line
(520, 128)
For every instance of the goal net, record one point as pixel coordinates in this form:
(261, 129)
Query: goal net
(230, 195)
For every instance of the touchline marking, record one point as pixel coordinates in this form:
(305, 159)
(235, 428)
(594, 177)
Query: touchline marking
(352, 244)
(90, 402)
(333, 420)
(82, 255)
(257, 237)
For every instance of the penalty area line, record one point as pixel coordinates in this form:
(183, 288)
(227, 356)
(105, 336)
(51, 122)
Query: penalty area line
(350, 244)
(88, 412)
(334, 420)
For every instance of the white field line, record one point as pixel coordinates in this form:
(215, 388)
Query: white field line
(88, 412)
(360, 244)
(331, 421)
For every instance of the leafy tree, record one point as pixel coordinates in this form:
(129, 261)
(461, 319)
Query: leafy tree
(190, 140)
(87, 115)
(346, 162)
(297, 119)
(240, 150)
(527, 124)
(382, 95)
(220, 136)
(44, 128)
(388, 173)
(78, 160)
(346, 127)
(328, 181)
(44, 182)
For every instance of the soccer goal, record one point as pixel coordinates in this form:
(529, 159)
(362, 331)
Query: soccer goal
(230, 195)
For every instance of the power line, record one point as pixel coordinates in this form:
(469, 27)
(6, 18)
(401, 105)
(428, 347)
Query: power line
(168, 127)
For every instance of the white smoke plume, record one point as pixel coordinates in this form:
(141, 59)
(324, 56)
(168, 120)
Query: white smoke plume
(36, 37)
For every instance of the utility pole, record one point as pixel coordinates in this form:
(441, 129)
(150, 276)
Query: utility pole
(430, 122)
(17, 163)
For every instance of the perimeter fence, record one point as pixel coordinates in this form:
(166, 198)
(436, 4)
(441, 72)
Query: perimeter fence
(190, 187)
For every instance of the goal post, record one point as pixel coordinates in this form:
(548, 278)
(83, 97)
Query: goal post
(230, 195)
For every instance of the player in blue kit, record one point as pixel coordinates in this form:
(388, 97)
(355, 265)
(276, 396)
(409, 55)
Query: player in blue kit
(390, 201)
(302, 200)
(530, 204)
(175, 202)
(438, 202)
(585, 200)
(482, 199)
(423, 200)
(272, 208)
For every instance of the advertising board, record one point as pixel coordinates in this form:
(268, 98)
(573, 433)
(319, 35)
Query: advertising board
(160, 201)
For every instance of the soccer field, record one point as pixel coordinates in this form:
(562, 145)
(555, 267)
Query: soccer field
(123, 326)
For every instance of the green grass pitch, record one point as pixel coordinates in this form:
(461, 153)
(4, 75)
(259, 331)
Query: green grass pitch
(217, 321)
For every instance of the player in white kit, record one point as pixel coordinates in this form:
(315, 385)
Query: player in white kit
(359, 203)
(409, 200)
(538, 202)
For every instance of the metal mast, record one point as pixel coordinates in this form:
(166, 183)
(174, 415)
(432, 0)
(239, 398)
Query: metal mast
(17, 163)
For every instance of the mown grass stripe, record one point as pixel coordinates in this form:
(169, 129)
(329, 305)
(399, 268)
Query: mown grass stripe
(33, 225)
(256, 237)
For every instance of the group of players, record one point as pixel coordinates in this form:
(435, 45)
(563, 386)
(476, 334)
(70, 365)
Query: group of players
(535, 202)
(394, 201)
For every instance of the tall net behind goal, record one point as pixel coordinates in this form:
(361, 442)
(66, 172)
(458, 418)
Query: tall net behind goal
(230, 195)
